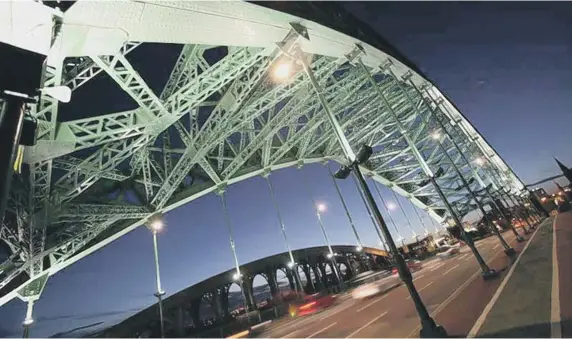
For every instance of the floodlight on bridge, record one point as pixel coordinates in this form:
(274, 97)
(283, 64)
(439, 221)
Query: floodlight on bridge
(359, 248)
(236, 276)
(283, 70)
(290, 264)
(330, 255)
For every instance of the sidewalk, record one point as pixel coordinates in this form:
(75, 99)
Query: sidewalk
(535, 297)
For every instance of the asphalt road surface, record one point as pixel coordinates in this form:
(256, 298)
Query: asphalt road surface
(393, 314)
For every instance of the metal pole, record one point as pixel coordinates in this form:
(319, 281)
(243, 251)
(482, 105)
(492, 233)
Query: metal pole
(160, 293)
(388, 213)
(361, 194)
(486, 271)
(11, 120)
(428, 326)
(507, 248)
(429, 329)
(29, 320)
(294, 264)
(353, 226)
(324, 233)
(434, 113)
(238, 275)
(405, 215)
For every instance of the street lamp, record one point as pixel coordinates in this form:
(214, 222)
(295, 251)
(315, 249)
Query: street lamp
(428, 326)
(156, 224)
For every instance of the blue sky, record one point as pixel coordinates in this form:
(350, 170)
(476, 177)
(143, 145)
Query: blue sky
(506, 65)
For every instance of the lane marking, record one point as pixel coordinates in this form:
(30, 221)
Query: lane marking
(437, 267)
(441, 306)
(481, 320)
(289, 334)
(452, 268)
(338, 310)
(469, 257)
(495, 246)
(371, 303)
(555, 317)
(366, 325)
(462, 257)
(322, 330)
(421, 289)
(419, 277)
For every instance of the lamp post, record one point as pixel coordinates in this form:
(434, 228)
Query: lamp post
(507, 249)
(343, 201)
(321, 208)
(156, 225)
(428, 326)
(486, 271)
(292, 265)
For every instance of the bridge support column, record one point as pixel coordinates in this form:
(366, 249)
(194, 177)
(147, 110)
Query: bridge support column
(272, 283)
(180, 322)
(249, 295)
(194, 311)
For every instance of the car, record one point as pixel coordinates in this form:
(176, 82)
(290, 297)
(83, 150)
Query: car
(375, 287)
(413, 265)
(311, 304)
(449, 252)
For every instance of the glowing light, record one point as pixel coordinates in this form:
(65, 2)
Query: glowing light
(28, 322)
(436, 135)
(236, 276)
(321, 207)
(359, 248)
(543, 199)
(479, 161)
(330, 255)
(156, 225)
(282, 71)
(290, 264)
(391, 206)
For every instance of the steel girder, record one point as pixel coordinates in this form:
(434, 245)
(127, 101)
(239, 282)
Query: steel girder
(215, 123)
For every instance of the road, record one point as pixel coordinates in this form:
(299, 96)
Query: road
(393, 314)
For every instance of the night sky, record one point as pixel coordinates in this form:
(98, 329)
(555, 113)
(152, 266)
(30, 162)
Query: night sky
(507, 66)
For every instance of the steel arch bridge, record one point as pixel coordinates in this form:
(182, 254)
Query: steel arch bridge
(220, 118)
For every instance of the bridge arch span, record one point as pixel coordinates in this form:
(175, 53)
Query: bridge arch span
(180, 144)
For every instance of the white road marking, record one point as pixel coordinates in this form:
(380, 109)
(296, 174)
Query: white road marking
(437, 267)
(366, 325)
(555, 317)
(338, 310)
(495, 246)
(322, 330)
(452, 268)
(421, 289)
(419, 277)
(371, 303)
(462, 257)
(441, 306)
(469, 257)
(481, 320)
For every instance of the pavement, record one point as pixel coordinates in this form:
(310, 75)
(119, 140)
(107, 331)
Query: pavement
(536, 299)
(452, 290)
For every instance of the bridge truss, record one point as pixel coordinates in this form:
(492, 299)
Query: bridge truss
(217, 121)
